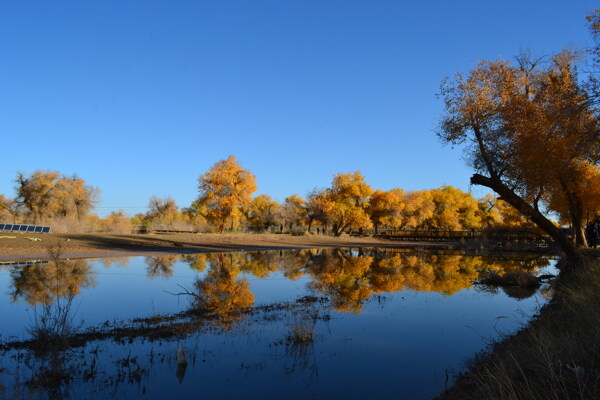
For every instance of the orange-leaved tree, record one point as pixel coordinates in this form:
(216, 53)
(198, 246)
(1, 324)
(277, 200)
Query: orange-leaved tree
(294, 211)
(163, 213)
(454, 210)
(419, 208)
(7, 210)
(223, 190)
(385, 208)
(528, 128)
(262, 212)
(48, 194)
(346, 202)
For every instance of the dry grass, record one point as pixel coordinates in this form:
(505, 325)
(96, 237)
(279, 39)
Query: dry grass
(556, 357)
(301, 327)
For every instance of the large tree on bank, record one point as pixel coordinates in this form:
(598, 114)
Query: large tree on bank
(223, 190)
(529, 131)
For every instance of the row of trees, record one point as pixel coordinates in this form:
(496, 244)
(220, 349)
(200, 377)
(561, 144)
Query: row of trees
(531, 129)
(226, 201)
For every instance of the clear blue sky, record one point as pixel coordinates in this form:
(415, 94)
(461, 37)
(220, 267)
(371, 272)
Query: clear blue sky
(141, 97)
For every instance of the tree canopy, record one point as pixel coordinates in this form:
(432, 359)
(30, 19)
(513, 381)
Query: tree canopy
(223, 190)
(44, 195)
(529, 130)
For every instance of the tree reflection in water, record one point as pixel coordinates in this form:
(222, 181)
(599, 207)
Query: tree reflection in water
(221, 293)
(221, 298)
(51, 289)
(348, 277)
(161, 266)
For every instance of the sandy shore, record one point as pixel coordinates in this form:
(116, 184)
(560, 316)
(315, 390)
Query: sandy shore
(18, 246)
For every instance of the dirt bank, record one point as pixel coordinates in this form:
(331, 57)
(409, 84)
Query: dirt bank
(556, 356)
(24, 246)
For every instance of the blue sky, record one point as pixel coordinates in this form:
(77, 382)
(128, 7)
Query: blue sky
(141, 97)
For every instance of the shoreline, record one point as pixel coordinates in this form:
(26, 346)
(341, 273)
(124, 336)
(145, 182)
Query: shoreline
(548, 358)
(16, 247)
(19, 246)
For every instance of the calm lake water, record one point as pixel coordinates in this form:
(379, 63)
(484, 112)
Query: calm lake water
(302, 324)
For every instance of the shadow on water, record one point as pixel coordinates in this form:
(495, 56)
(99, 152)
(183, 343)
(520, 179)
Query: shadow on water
(59, 358)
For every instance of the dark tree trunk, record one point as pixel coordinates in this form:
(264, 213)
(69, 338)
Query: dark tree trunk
(529, 211)
(576, 214)
(336, 231)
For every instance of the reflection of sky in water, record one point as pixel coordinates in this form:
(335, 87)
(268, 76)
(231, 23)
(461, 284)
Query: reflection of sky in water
(400, 345)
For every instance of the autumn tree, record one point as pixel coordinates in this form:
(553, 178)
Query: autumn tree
(454, 210)
(163, 212)
(493, 212)
(195, 215)
(385, 208)
(48, 194)
(346, 202)
(262, 212)
(9, 210)
(526, 128)
(75, 198)
(445, 208)
(4, 203)
(587, 191)
(294, 211)
(419, 208)
(223, 190)
(115, 222)
(316, 207)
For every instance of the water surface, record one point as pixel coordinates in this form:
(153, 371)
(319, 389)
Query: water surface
(336, 323)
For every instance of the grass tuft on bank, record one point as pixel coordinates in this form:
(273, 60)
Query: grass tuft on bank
(556, 357)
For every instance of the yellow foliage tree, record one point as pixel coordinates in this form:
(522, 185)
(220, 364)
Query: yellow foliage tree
(163, 213)
(419, 207)
(5, 210)
(587, 191)
(316, 207)
(385, 208)
(294, 211)
(48, 194)
(528, 129)
(454, 210)
(346, 202)
(223, 190)
(115, 222)
(262, 212)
